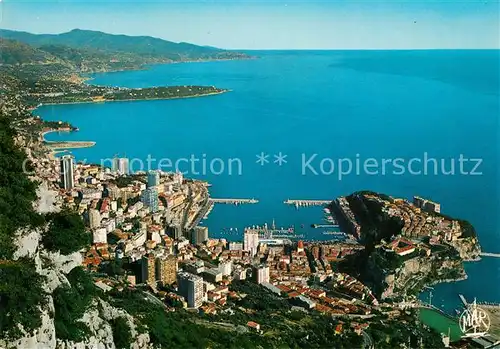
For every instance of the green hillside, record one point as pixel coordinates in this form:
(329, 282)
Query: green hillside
(15, 52)
(145, 47)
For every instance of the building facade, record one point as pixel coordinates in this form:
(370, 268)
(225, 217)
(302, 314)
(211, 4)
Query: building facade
(121, 166)
(153, 179)
(67, 172)
(94, 218)
(191, 288)
(150, 199)
(251, 241)
(260, 273)
(148, 270)
(199, 235)
(226, 268)
(167, 267)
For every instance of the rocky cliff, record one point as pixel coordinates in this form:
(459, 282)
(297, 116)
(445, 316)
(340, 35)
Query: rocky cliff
(55, 267)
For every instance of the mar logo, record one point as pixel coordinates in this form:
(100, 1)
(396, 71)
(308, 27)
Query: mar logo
(474, 321)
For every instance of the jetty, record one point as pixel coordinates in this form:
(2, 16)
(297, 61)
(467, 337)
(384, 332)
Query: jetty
(68, 144)
(488, 254)
(340, 233)
(305, 203)
(324, 225)
(233, 201)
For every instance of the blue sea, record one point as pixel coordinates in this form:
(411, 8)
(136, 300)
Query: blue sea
(346, 121)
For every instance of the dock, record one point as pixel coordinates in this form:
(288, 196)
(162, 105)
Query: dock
(233, 201)
(305, 203)
(462, 298)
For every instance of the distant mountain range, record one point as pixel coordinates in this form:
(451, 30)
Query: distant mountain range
(89, 50)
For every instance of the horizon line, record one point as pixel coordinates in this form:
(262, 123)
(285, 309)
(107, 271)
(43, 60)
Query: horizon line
(361, 49)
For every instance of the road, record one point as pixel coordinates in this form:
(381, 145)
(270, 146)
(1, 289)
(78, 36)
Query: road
(150, 297)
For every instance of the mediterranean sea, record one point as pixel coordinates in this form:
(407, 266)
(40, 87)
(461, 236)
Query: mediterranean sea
(329, 107)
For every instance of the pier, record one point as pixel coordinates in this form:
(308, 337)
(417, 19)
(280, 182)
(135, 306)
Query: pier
(233, 201)
(53, 145)
(487, 254)
(462, 298)
(340, 233)
(324, 225)
(305, 203)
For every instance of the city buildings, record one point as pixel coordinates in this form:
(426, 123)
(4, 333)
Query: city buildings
(251, 241)
(67, 172)
(153, 179)
(121, 166)
(260, 273)
(150, 199)
(191, 288)
(199, 235)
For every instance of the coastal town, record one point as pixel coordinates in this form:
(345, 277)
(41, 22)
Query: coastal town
(93, 254)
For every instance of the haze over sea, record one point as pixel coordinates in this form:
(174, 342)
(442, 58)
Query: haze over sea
(337, 104)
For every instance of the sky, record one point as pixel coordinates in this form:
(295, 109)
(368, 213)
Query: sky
(272, 24)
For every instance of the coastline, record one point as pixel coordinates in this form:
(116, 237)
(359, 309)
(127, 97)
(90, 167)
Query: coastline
(136, 99)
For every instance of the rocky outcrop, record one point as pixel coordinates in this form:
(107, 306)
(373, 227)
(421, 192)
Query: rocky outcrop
(98, 318)
(411, 275)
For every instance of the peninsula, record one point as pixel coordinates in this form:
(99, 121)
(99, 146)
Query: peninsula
(52, 69)
(407, 244)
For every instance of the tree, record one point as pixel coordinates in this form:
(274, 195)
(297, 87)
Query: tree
(66, 233)
(121, 333)
(21, 294)
(70, 303)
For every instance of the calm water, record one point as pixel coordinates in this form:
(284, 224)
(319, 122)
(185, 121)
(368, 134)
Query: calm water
(339, 105)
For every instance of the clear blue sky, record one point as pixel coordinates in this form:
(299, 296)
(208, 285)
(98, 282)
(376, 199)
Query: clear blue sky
(272, 24)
